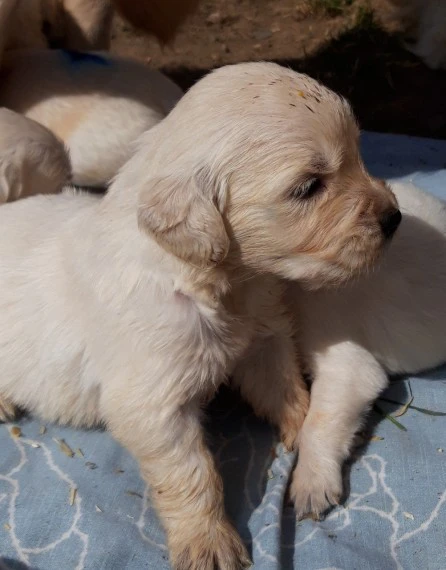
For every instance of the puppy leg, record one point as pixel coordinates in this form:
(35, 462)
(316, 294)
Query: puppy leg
(185, 485)
(270, 379)
(347, 379)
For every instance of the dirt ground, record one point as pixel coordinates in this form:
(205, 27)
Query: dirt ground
(352, 46)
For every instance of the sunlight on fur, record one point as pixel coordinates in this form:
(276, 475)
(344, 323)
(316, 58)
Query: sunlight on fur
(132, 309)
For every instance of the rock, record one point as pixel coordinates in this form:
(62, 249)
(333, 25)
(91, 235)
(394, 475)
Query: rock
(262, 34)
(214, 18)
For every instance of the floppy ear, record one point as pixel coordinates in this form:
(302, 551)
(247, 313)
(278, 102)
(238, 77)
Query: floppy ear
(184, 219)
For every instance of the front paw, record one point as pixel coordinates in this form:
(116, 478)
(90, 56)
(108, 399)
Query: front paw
(315, 490)
(219, 548)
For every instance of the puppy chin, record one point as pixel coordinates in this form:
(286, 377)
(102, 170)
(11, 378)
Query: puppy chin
(313, 273)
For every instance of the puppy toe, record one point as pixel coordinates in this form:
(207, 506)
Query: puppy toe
(315, 492)
(221, 548)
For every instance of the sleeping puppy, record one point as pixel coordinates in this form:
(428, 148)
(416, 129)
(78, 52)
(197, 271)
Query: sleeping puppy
(391, 321)
(132, 309)
(32, 159)
(97, 104)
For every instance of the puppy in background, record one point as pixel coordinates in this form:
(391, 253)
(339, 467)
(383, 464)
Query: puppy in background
(32, 159)
(96, 104)
(183, 285)
(391, 321)
(85, 25)
(425, 24)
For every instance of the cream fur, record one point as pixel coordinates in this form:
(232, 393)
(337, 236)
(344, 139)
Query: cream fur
(425, 21)
(32, 159)
(390, 321)
(134, 308)
(98, 108)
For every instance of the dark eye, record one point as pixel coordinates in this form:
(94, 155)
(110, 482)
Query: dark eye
(307, 189)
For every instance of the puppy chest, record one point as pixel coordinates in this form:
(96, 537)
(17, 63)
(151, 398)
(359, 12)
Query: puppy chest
(214, 339)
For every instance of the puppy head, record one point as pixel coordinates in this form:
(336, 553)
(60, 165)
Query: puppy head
(262, 162)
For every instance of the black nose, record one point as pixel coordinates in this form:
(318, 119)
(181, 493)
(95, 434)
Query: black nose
(390, 222)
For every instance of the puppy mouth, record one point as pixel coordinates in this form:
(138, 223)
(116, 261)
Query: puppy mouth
(359, 255)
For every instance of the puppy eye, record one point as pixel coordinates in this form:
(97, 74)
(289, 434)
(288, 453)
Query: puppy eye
(307, 189)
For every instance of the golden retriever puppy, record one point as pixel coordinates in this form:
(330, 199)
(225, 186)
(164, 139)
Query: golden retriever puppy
(32, 159)
(97, 104)
(425, 24)
(132, 309)
(392, 321)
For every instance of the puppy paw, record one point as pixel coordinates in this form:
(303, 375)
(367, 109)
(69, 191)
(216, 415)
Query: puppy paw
(315, 491)
(220, 548)
(8, 411)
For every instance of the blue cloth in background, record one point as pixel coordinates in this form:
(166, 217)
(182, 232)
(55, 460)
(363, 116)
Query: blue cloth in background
(394, 517)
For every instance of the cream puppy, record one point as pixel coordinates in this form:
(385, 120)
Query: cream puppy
(391, 321)
(32, 159)
(97, 104)
(132, 309)
(425, 22)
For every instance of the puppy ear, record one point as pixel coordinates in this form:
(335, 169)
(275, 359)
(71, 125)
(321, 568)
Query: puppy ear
(183, 218)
